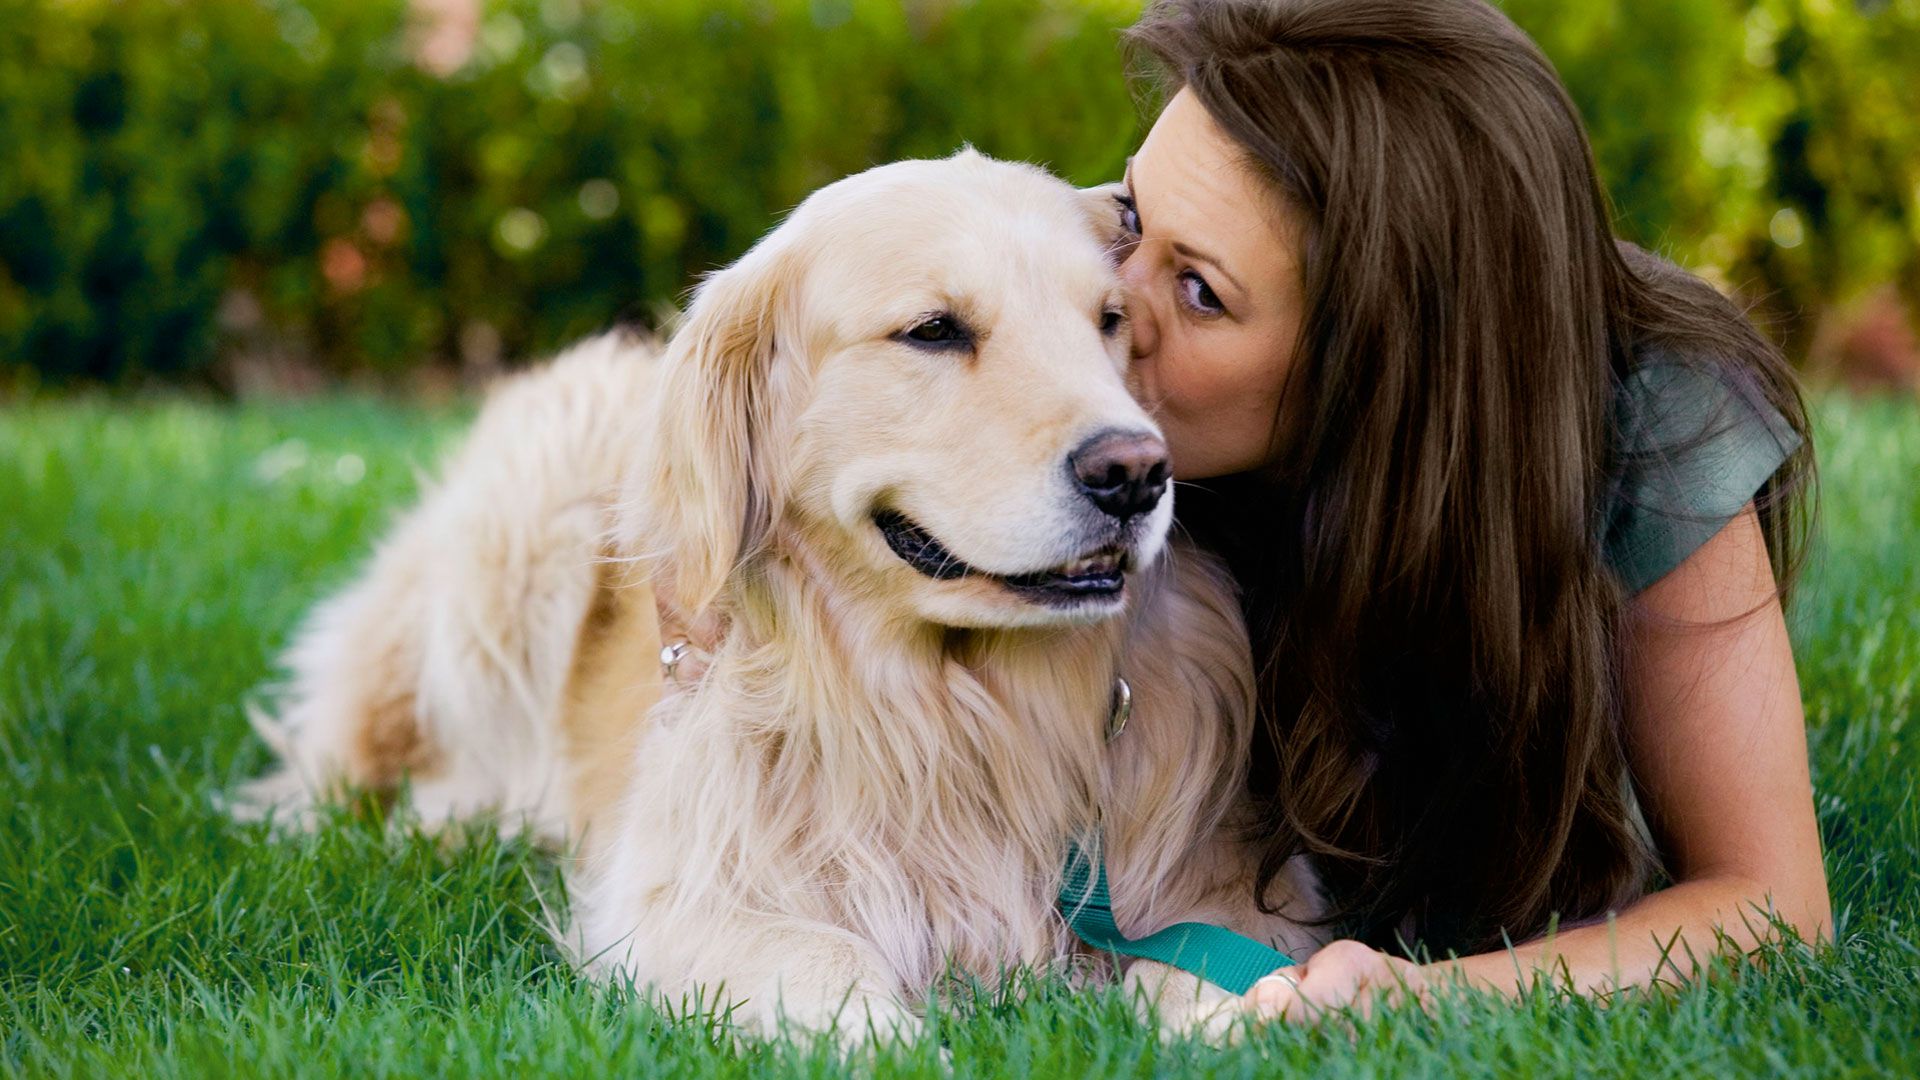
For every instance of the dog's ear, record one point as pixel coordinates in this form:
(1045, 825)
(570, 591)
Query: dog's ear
(703, 502)
(1102, 207)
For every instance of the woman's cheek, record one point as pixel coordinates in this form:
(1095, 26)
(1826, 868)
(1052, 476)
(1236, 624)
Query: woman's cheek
(1191, 406)
(1194, 383)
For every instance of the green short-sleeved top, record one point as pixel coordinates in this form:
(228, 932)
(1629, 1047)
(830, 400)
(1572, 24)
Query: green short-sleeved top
(1692, 449)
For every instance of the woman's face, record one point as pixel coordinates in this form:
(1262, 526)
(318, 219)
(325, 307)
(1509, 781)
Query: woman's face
(1214, 292)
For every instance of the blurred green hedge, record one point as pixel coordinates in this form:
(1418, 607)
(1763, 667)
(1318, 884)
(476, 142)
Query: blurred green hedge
(185, 184)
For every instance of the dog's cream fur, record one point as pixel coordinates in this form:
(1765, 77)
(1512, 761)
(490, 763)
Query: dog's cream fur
(878, 774)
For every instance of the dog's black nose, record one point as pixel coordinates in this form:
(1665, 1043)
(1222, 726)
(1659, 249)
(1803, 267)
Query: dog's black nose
(1124, 473)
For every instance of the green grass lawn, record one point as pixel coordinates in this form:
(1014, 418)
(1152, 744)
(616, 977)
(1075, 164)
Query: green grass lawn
(154, 556)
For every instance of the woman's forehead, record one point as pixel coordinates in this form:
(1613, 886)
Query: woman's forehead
(1194, 188)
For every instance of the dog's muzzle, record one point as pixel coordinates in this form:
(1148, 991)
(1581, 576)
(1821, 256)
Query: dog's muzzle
(1099, 575)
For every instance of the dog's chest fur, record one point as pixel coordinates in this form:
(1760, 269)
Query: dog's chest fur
(911, 787)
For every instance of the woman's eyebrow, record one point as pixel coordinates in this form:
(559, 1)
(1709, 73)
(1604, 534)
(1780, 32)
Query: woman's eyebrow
(1188, 251)
(1200, 256)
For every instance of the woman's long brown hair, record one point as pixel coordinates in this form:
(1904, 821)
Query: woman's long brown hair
(1439, 637)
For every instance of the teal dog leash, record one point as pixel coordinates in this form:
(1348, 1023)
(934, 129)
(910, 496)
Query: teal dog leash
(1233, 962)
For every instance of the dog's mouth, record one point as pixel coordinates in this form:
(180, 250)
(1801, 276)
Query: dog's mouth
(1101, 575)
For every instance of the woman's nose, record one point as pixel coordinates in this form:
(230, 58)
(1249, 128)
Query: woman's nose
(1141, 318)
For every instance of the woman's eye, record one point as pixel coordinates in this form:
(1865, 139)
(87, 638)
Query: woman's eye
(937, 330)
(1199, 295)
(1129, 219)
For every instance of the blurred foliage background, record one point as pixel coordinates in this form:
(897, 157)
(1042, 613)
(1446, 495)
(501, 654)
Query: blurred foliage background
(273, 194)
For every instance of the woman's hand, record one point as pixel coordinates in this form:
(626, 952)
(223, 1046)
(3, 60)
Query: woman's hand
(1343, 974)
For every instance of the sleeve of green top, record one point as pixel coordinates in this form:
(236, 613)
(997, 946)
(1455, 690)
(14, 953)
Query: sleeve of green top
(1693, 450)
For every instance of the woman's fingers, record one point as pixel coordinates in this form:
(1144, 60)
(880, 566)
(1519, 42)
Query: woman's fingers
(1345, 973)
(1279, 995)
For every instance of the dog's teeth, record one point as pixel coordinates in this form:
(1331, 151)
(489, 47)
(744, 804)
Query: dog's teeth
(1098, 564)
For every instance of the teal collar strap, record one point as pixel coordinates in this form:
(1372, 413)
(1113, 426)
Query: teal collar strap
(1233, 962)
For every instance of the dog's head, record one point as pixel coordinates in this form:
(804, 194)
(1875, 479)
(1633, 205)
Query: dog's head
(921, 377)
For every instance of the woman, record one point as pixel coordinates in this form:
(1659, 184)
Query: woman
(1503, 499)
(1514, 507)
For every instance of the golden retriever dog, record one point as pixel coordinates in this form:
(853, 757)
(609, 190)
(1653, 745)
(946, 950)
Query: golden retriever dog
(895, 447)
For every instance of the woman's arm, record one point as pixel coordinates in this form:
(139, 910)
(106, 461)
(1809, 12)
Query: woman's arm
(1717, 742)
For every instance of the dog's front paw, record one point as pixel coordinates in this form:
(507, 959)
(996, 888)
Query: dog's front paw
(1218, 1022)
(1186, 1006)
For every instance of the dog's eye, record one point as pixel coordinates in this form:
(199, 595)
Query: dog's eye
(939, 331)
(1111, 321)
